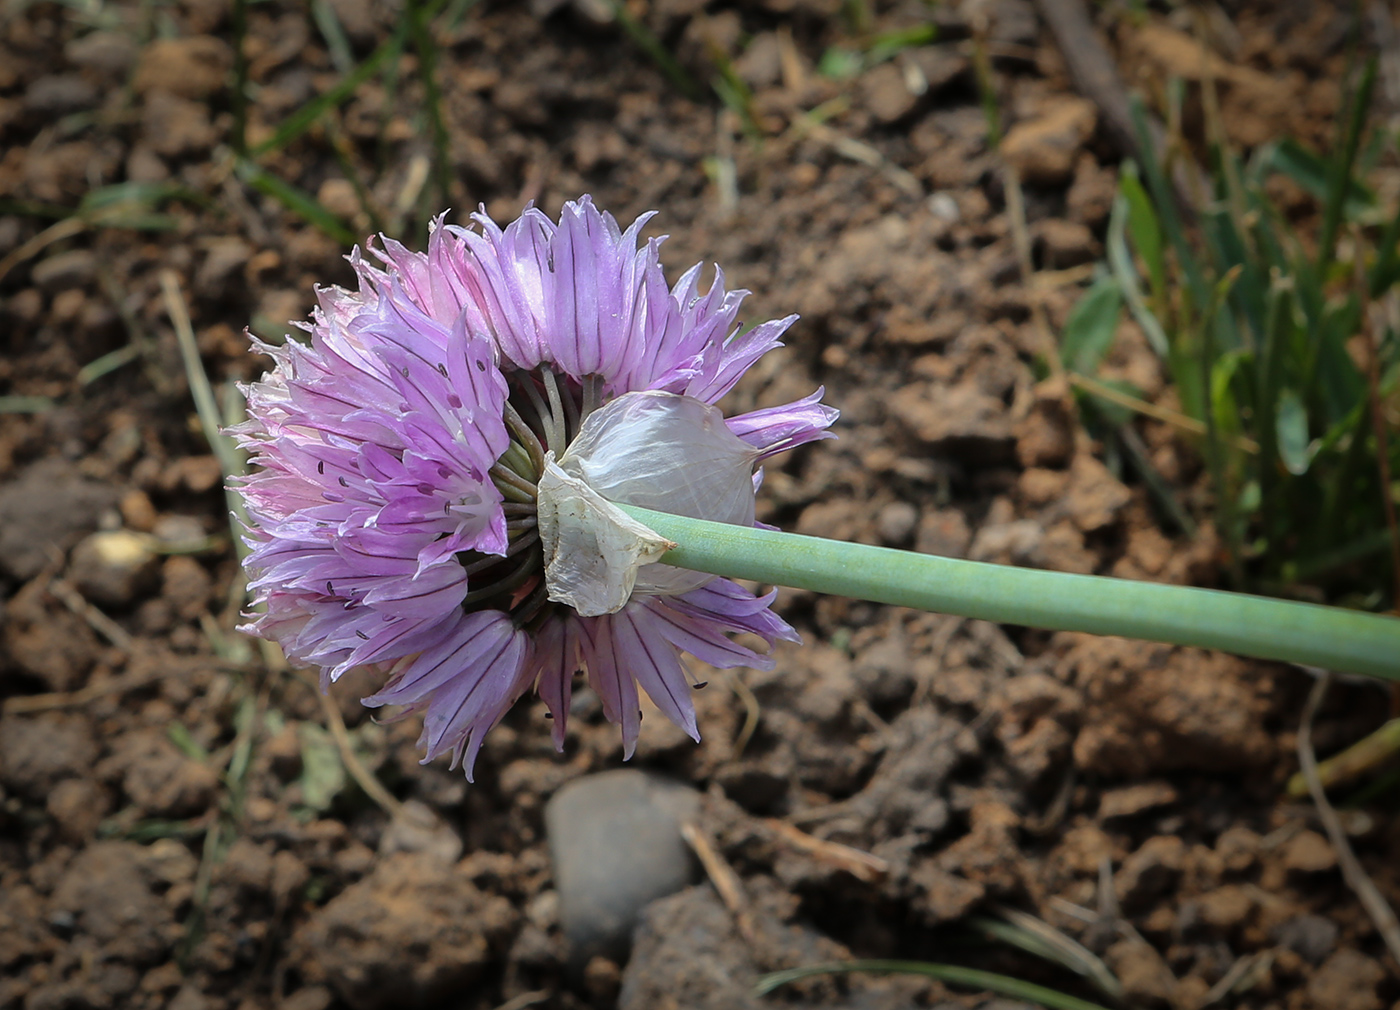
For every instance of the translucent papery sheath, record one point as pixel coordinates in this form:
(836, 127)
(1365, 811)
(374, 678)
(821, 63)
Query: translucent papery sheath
(392, 515)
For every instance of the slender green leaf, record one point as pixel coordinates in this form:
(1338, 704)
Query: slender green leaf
(1339, 170)
(1125, 273)
(300, 121)
(1291, 159)
(656, 50)
(298, 201)
(840, 64)
(331, 30)
(322, 774)
(1291, 424)
(972, 978)
(1091, 325)
(25, 404)
(1142, 226)
(889, 44)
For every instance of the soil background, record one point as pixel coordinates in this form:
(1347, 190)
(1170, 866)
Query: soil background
(177, 828)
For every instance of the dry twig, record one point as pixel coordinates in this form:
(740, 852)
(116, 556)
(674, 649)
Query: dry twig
(722, 876)
(363, 777)
(96, 619)
(1352, 872)
(861, 865)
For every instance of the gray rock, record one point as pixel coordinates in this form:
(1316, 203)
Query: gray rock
(47, 508)
(59, 94)
(110, 54)
(615, 843)
(1311, 937)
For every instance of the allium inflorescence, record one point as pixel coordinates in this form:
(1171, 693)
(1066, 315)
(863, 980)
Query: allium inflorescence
(397, 511)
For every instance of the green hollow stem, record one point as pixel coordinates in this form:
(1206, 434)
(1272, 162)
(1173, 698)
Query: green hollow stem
(1347, 641)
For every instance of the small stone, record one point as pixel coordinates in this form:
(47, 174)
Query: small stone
(144, 165)
(113, 567)
(338, 196)
(1309, 852)
(1011, 543)
(1145, 976)
(59, 94)
(65, 270)
(1347, 981)
(1150, 870)
(189, 998)
(886, 94)
(896, 522)
(1226, 908)
(1013, 22)
(1045, 149)
(137, 511)
(1130, 801)
(311, 997)
(1311, 937)
(1238, 847)
(615, 842)
(107, 54)
(193, 67)
(939, 66)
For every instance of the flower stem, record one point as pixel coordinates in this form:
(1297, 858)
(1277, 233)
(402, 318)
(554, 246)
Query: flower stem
(1344, 640)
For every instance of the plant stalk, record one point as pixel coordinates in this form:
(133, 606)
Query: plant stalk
(1330, 637)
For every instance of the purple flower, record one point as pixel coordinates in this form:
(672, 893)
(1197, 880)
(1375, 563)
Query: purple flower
(394, 515)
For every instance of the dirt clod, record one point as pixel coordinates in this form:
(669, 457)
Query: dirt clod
(413, 931)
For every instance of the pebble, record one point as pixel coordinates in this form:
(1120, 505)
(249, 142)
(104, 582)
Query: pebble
(615, 843)
(65, 270)
(1311, 937)
(113, 567)
(59, 94)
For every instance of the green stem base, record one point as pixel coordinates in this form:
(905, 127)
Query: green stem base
(1347, 641)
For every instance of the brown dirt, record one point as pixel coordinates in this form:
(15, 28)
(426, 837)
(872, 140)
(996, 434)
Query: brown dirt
(983, 764)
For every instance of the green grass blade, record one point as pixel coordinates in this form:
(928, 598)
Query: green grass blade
(297, 201)
(1165, 201)
(1291, 425)
(972, 978)
(331, 30)
(1311, 173)
(649, 44)
(1092, 322)
(1339, 171)
(15, 404)
(420, 14)
(300, 121)
(1120, 262)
